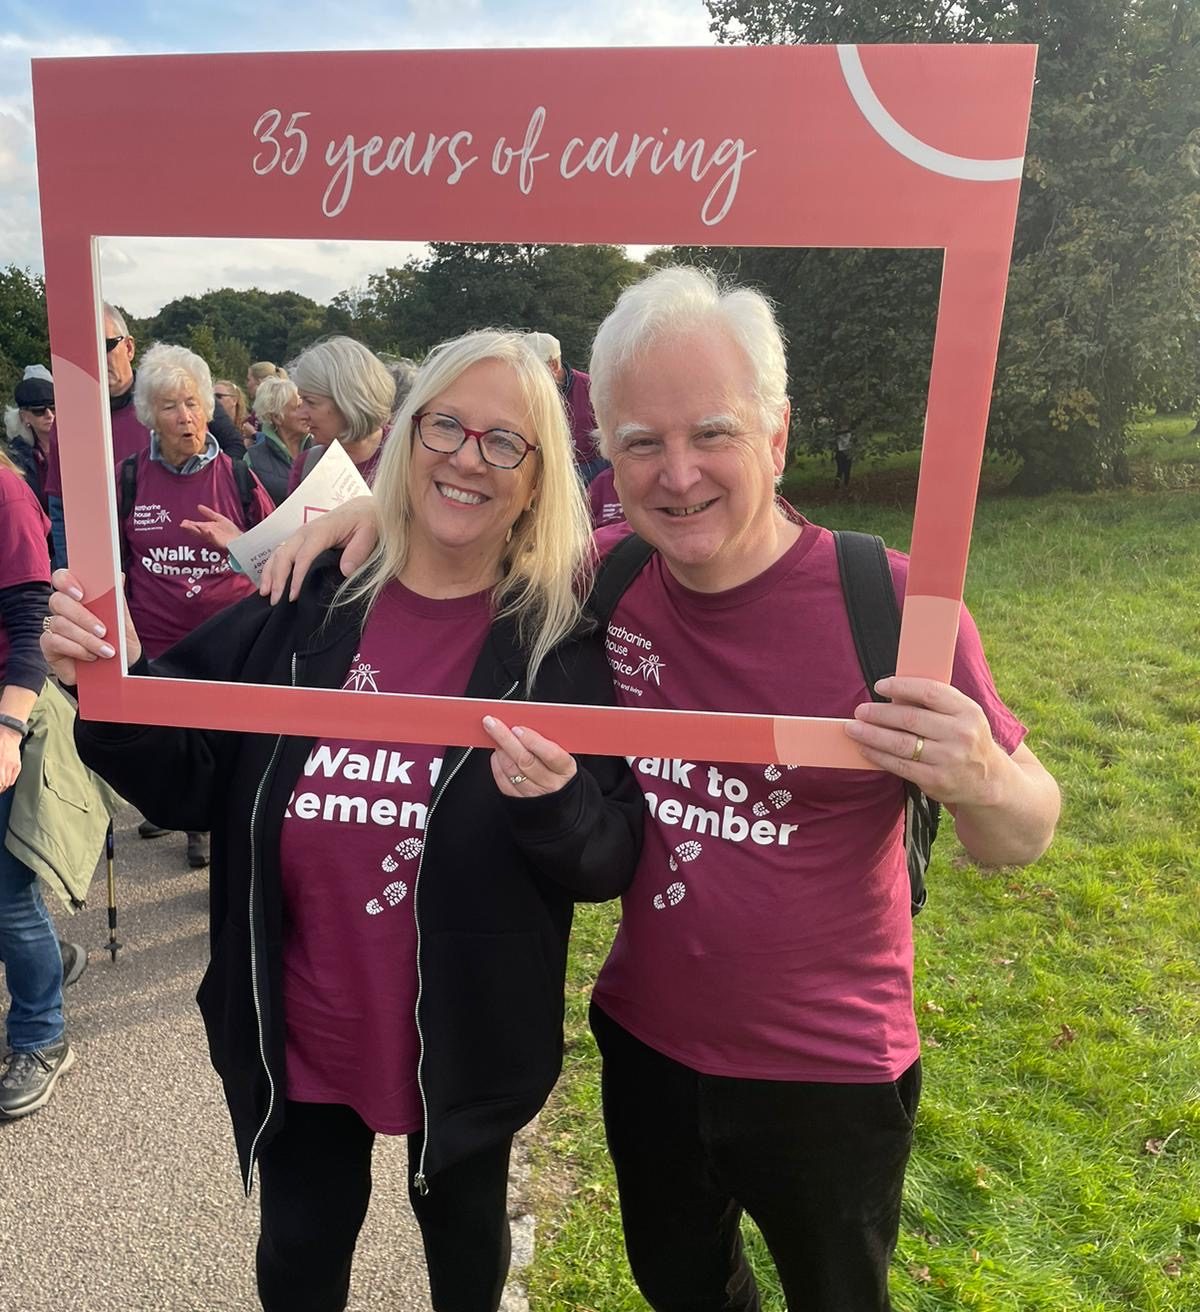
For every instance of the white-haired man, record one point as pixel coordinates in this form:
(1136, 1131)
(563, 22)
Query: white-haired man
(575, 386)
(755, 1014)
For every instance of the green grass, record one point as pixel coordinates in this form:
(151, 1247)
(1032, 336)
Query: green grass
(1057, 1156)
(1163, 453)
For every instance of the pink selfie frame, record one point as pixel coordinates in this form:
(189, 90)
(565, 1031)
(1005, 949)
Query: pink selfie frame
(834, 146)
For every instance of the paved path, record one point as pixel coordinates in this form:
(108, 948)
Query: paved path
(122, 1194)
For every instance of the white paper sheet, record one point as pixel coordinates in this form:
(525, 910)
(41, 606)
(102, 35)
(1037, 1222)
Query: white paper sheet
(334, 480)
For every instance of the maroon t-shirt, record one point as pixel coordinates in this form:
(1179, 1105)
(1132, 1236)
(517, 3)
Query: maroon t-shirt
(367, 469)
(603, 499)
(350, 852)
(767, 933)
(174, 581)
(23, 529)
(129, 437)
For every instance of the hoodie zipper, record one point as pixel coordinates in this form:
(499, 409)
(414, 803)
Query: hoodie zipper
(262, 1041)
(420, 1184)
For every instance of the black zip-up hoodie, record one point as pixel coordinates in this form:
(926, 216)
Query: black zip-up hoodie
(493, 899)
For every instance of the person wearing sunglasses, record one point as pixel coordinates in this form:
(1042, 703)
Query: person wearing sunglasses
(27, 425)
(390, 920)
(129, 435)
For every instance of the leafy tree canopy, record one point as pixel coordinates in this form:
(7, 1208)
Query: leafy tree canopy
(1104, 299)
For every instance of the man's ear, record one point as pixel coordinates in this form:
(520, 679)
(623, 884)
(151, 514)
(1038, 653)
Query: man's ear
(132, 345)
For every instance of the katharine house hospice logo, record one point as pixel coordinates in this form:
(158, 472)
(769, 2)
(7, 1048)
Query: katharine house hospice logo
(632, 657)
(150, 517)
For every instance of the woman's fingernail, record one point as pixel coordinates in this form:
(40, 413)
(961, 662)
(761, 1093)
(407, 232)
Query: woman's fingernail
(488, 722)
(99, 630)
(106, 650)
(76, 593)
(519, 732)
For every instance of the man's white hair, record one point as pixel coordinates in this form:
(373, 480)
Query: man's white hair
(545, 346)
(678, 301)
(117, 319)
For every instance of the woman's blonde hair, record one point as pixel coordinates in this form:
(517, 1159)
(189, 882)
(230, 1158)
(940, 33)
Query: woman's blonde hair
(7, 462)
(273, 397)
(547, 556)
(241, 409)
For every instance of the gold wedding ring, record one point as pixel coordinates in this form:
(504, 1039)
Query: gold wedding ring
(515, 779)
(918, 748)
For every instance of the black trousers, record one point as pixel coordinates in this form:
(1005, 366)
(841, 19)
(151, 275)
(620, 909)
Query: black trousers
(819, 1167)
(314, 1185)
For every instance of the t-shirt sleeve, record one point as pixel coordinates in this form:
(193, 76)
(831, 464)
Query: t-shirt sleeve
(23, 528)
(970, 673)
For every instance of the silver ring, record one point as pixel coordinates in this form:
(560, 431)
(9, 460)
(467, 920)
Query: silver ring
(918, 748)
(515, 779)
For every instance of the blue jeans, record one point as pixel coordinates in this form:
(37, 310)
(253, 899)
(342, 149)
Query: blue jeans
(29, 950)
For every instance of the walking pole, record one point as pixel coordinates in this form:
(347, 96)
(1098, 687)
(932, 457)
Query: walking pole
(113, 944)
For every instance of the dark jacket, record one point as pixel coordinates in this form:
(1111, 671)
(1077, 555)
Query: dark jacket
(493, 895)
(32, 466)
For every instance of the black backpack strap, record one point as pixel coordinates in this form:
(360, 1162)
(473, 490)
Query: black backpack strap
(870, 604)
(870, 597)
(614, 574)
(243, 476)
(127, 482)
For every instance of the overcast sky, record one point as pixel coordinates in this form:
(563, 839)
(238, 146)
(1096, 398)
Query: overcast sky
(144, 274)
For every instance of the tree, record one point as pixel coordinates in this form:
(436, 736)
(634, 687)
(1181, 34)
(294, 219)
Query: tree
(564, 290)
(842, 312)
(24, 336)
(1104, 298)
(272, 325)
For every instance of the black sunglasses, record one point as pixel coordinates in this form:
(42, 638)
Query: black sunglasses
(38, 410)
(111, 344)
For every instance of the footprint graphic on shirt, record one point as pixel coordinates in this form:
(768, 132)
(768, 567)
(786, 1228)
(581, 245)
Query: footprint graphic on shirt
(195, 587)
(393, 895)
(773, 773)
(408, 848)
(675, 894)
(685, 852)
(778, 799)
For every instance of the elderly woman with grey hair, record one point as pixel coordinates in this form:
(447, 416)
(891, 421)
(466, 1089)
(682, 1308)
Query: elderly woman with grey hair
(284, 435)
(175, 578)
(346, 396)
(177, 500)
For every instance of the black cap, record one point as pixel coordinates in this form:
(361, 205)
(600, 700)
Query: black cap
(34, 391)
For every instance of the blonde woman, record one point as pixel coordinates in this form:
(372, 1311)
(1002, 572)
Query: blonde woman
(283, 435)
(390, 922)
